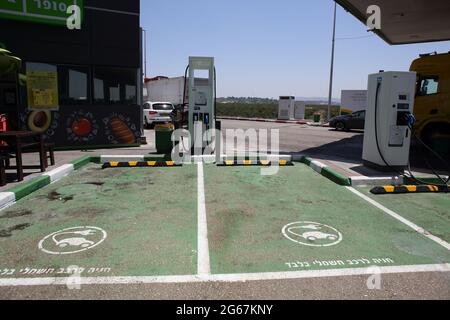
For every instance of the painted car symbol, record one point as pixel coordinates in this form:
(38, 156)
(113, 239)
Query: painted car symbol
(74, 241)
(317, 235)
(312, 234)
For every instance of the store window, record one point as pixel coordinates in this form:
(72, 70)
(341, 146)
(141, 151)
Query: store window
(428, 86)
(115, 86)
(50, 86)
(73, 85)
(42, 86)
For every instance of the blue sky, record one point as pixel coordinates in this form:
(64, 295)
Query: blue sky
(269, 48)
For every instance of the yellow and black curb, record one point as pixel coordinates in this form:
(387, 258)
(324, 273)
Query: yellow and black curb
(143, 164)
(410, 189)
(260, 163)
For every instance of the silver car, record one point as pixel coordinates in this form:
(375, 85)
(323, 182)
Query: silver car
(157, 112)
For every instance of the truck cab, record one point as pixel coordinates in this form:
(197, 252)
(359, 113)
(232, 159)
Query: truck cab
(432, 102)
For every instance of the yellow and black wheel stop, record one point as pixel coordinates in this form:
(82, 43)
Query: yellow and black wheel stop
(144, 164)
(248, 163)
(410, 189)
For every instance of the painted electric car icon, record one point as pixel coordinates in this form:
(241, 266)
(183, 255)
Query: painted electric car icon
(312, 234)
(316, 235)
(72, 240)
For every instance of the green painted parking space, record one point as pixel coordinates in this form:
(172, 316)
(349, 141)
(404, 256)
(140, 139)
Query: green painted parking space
(297, 220)
(121, 222)
(143, 222)
(431, 211)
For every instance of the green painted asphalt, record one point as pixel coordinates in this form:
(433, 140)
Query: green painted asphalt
(431, 211)
(247, 212)
(149, 217)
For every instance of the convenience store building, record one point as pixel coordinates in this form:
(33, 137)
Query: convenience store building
(80, 88)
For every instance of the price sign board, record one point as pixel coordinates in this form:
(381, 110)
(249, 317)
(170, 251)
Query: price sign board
(42, 11)
(42, 88)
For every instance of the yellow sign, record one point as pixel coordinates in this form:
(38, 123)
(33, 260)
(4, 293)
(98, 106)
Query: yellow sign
(42, 89)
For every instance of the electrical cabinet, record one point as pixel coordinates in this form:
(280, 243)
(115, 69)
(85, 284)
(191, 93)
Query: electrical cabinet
(286, 108)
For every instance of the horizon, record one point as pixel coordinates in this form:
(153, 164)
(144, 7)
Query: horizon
(306, 99)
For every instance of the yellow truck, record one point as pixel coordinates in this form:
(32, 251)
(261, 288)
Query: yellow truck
(432, 106)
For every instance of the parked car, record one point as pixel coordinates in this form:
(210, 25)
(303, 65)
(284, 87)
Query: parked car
(348, 122)
(157, 112)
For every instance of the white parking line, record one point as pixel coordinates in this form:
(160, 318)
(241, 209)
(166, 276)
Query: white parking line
(203, 265)
(398, 217)
(230, 278)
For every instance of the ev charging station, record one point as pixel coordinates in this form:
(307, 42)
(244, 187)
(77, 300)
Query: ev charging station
(202, 94)
(387, 137)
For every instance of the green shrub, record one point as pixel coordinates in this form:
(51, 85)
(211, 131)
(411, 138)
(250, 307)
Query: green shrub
(247, 110)
(267, 110)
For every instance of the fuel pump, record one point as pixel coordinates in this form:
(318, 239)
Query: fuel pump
(201, 93)
(387, 137)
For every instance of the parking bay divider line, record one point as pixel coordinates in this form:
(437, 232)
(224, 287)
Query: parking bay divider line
(398, 217)
(225, 278)
(203, 262)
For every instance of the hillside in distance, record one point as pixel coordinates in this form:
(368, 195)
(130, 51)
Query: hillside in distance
(258, 100)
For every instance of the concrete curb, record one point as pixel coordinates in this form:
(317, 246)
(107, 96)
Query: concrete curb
(382, 181)
(60, 172)
(6, 198)
(360, 181)
(81, 162)
(327, 172)
(12, 195)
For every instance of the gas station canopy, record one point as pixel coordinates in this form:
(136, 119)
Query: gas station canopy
(406, 21)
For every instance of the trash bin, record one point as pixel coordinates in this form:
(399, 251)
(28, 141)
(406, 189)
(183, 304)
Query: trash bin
(163, 137)
(317, 117)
